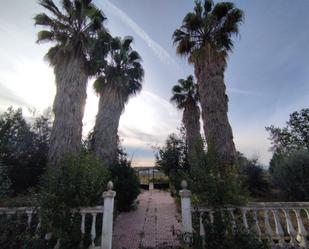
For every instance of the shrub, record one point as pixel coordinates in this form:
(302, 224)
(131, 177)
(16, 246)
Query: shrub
(291, 174)
(5, 182)
(23, 148)
(15, 234)
(79, 181)
(172, 159)
(126, 184)
(253, 176)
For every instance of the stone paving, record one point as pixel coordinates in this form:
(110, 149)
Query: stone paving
(153, 224)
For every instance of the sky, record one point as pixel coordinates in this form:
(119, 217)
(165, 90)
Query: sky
(267, 76)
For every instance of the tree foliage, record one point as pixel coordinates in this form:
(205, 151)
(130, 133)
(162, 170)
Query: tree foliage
(123, 72)
(209, 25)
(185, 93)
(253, 175)
(74, 28)
(291, 138)
(126, 184)
(291, 174)
(78, 182)
(23, 148)
(172, 159)
(294, 136)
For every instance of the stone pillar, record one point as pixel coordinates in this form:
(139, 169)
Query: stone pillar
(186, 212)
(151, 187)
(107, 225)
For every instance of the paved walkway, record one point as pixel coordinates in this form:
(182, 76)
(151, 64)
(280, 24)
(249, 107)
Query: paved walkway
(152, 225)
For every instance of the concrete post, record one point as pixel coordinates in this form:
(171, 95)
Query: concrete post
(186, 212)
(107, 224)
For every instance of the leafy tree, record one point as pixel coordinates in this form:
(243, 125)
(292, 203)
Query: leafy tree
(291, 174)
(74, 30)
(185, 96)
(172, 159)
(293, 137)
(253, 175)
(23, 148)
(120, 79)
(206, 37)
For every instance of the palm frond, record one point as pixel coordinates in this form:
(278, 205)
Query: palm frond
(185, 93)
(211, 25)
(51, 6)
(45, 36)
(99, 84)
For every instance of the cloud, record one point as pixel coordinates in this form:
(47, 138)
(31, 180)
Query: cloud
(8, 96)
(148, 120)
(245, 92)
(159, 51)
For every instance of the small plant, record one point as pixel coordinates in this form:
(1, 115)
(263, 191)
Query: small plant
(78, 182)
(126, 184)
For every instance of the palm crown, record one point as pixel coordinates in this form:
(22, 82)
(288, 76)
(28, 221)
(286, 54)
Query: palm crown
(185, 92)
(209, 26)
(123, 72)
(74, 29)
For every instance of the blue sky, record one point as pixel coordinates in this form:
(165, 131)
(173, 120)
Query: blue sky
(267, 75)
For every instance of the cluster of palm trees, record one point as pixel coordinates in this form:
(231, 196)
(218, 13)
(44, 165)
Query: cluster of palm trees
(83, 48)
(205, 36)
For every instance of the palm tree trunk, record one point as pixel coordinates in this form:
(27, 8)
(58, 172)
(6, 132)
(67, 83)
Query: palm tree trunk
(105, 134)
(214, 102)
(191, 121)
(68, 108)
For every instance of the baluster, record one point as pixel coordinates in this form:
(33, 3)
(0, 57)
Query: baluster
(82, 226)
(301, 234)
(39, 224)
(57, 246)
(244, 218)
(211, 217)
(267, 225)
(233, 219)
(278, 230)
(256, 226)
(289, 227)
(29, 216)
(202, 229)
(93, 229)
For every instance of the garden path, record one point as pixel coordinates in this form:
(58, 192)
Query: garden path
(153, 224)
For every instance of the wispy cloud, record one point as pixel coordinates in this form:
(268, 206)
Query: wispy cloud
(245, 92)
(159, 51)
(10, 97)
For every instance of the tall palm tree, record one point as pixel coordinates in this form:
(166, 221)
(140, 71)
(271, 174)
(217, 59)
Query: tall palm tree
(73, 29)
(205, 36)
(119, 79)
(185, 96)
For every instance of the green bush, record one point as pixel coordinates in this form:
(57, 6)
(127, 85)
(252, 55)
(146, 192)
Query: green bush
(15, 234)
(291, 174)
(253, 176)
(5, 182)
(78, 182)
(23, 148)
(172, 159)
(126, 184)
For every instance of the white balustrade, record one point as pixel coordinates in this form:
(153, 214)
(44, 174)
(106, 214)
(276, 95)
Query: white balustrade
(107, 219)
(282, 223)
